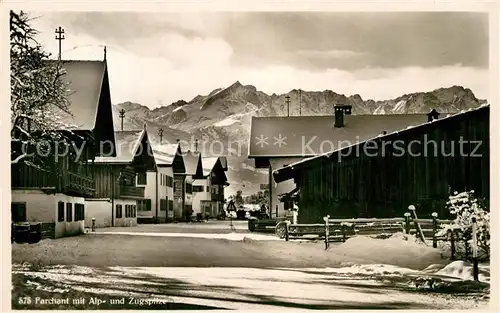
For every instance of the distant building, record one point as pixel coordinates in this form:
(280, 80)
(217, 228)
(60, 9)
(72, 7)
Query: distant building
(159, 187)
(183, 185)
(279, 141)
(382, 176)
(208, 192)
(120, 181)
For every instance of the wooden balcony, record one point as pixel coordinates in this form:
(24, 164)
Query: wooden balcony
(131, 192)
(24, 176)
(79, 184)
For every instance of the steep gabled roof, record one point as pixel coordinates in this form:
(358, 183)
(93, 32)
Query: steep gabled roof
(208, 164)
(302, 136)
(192, 163)
(287, 172)
(165, 154)
(85, 83)
(127, 145)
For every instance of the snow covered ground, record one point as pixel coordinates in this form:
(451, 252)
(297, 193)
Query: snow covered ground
(348, 287)
(247, 271)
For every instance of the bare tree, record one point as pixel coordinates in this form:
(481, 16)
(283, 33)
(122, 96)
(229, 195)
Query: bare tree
(38, 92)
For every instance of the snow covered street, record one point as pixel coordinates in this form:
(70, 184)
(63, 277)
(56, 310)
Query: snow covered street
(347, 287)
(150, 269)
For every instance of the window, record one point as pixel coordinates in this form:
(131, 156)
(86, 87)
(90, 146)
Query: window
(69, 212)
(130, 210)
(79, 212)
(170, 181)
(60, 211)
(142, 178)
(118, 211)
(208, 189)
(144, 205)
(170, 205)
(189, 188)
(18, 211)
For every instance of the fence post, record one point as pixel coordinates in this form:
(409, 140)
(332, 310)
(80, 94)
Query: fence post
(474, 250)
(344, 235)
(452, 243)
(434, 229)
(287, 223)
(420, 233)
(407, 222)
(327, 231)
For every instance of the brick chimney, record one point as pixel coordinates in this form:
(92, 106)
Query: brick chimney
(340, 111)
(432, 115)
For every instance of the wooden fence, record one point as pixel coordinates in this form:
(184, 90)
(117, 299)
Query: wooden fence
(339, 230)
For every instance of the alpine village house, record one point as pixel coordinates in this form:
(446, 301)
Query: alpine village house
(69, 191)
(208, 192)
(158, 206)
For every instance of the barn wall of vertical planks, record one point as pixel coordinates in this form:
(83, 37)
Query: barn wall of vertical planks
(381, 177)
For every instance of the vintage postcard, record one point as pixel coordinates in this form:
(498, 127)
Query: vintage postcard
(280, 156)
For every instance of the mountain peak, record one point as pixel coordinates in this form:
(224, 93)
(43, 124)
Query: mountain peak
(236, 84)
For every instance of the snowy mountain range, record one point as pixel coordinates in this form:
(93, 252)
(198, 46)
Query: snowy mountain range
(220, 121)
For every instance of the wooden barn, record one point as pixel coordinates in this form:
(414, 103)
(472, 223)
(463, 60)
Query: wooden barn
(279, 141)
(381, 177)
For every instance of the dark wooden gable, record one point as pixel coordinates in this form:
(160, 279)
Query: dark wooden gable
(218, 175)
(144, 159)
(178, 166)
(199, 169)
(104, 131)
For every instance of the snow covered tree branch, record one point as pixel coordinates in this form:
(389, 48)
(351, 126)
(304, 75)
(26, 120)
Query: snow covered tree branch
(38, 92)
(463, 206)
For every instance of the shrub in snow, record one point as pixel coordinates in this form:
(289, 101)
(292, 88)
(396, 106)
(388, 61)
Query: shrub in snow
(464, 206)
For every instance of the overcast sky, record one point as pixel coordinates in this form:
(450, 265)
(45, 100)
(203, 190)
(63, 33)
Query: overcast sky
(158, 58)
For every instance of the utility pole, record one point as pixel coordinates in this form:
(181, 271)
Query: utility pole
(104, 53)
(160, 133)
(287, 101)
(122, 115)
(60, 38)
(196, 145)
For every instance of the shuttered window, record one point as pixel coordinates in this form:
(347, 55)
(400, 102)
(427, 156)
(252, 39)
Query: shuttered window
(79, 212)
(60, 211)
(18, 211)
(69, 212)
(118, 211)
(142, 178)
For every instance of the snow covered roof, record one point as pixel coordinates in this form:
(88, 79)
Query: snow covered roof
(208, 164)
(279, 175)
(85, 83)
(127, 145)
(192, 163)
(303, 136)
